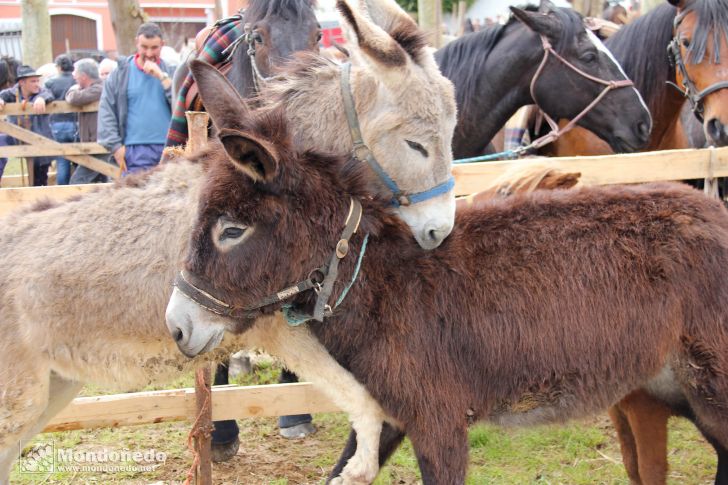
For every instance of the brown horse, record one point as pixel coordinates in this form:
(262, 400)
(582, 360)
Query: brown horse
(697, 33)
(498, 323)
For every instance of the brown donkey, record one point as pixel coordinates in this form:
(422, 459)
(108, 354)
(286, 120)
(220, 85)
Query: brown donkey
(537, 308)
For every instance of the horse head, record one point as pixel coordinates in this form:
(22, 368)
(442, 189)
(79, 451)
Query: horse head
(258, 188)
(581, 69)
(699, 50)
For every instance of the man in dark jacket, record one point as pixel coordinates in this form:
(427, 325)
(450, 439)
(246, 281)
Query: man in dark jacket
(28, 89)
(135, 107)
(63, 125)
(87, 90)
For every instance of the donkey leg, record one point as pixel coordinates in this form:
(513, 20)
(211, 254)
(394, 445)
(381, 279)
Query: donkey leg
(626, 443)
(225, 441)
(389, 440)
(60, 392)
(441, 453)
(647, 419)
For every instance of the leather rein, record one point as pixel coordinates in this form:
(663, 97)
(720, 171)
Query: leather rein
(688, 88)
(321, 280)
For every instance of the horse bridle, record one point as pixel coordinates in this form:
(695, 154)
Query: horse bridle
(363, 153)
(249, 38)
(688, 88)
(556, 132)
(321, 280)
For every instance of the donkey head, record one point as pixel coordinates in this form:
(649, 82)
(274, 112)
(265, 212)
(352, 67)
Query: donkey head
(406, 109)
(581, 48)
(267, 217)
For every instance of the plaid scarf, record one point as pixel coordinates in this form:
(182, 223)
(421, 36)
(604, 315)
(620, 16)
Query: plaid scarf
(223, 34)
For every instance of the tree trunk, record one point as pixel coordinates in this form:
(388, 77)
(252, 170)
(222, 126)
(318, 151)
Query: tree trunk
(36, 38)
(126, 17)
(429, 15)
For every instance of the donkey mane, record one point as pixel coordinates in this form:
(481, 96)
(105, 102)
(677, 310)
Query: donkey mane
(647, 64)
(462, 60)
(712, 17)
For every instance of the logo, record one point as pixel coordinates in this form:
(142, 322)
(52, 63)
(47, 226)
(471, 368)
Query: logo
(40, 458)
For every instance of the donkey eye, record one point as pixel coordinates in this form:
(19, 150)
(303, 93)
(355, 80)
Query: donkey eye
(319, 36)
(232, 233)
(416, 146)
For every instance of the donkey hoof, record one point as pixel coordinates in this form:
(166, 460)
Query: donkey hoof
(225, 452)
(298, 431)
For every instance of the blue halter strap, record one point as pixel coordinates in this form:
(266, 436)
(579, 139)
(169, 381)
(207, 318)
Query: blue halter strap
(362, 152)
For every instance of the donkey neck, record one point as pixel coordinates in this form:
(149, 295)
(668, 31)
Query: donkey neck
(503, 87)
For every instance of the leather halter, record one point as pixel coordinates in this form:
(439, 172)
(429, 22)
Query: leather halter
(556, 132)
(247, 37)
(362, 152)
(321, 280)
(688, 88)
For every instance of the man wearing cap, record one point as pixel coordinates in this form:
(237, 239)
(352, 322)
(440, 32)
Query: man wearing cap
(29, 90)
(63, 125)
(135, 107)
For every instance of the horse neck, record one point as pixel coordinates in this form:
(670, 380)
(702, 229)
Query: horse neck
(664, 121)
(503, 88)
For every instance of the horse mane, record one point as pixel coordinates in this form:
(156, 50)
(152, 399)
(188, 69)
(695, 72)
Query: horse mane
(712, 16)
(462, 60)
(641, 48)
(258, 9)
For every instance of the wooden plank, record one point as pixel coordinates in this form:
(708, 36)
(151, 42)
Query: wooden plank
(12, 198)
(9, 181)
(603, 170)
(51, 108)
(50, 151)
(88, 161)
(229, 402)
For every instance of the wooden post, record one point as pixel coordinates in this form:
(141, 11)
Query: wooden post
(429, 16)
(203, 440)
(197, 131)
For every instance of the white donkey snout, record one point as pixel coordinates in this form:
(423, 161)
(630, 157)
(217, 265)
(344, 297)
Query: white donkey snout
(191, 327)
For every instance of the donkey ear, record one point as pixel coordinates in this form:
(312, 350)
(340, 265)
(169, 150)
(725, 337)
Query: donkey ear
(388, 15)
(222, 102)
(374, 42)
(541, 23)
(255, 157)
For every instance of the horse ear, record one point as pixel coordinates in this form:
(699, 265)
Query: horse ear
(375, 43)
(546, 7)
(541, 23)
(388, 15)
(222, 102)
(252, 155)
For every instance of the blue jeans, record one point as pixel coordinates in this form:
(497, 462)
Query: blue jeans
(4, 141)
(142, 157)
(64, 132)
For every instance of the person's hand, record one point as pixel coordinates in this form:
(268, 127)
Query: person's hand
(2, 105)
(39, 106)
(153, 69)
(120, 156)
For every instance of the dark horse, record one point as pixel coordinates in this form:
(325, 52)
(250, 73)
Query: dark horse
(249, 48)
(698, 42)
(8, 70)
(499, 323)
(273, 31)
(493, 70)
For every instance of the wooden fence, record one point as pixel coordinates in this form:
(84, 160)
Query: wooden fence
(40, 146)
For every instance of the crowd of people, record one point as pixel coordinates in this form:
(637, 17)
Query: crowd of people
(135, 99)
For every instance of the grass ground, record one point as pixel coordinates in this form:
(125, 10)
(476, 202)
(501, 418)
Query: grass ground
(579, 453)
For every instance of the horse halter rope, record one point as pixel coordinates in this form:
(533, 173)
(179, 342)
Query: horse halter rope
(688, 88)
(362, 152)
(555, 131)
(321, 280)
(249, 38)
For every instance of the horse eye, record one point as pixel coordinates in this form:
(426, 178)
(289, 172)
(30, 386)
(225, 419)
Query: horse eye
(685, 42)
(416, 146)
(589, 57)
(257, 37)
(232, 233)
(319, 36)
